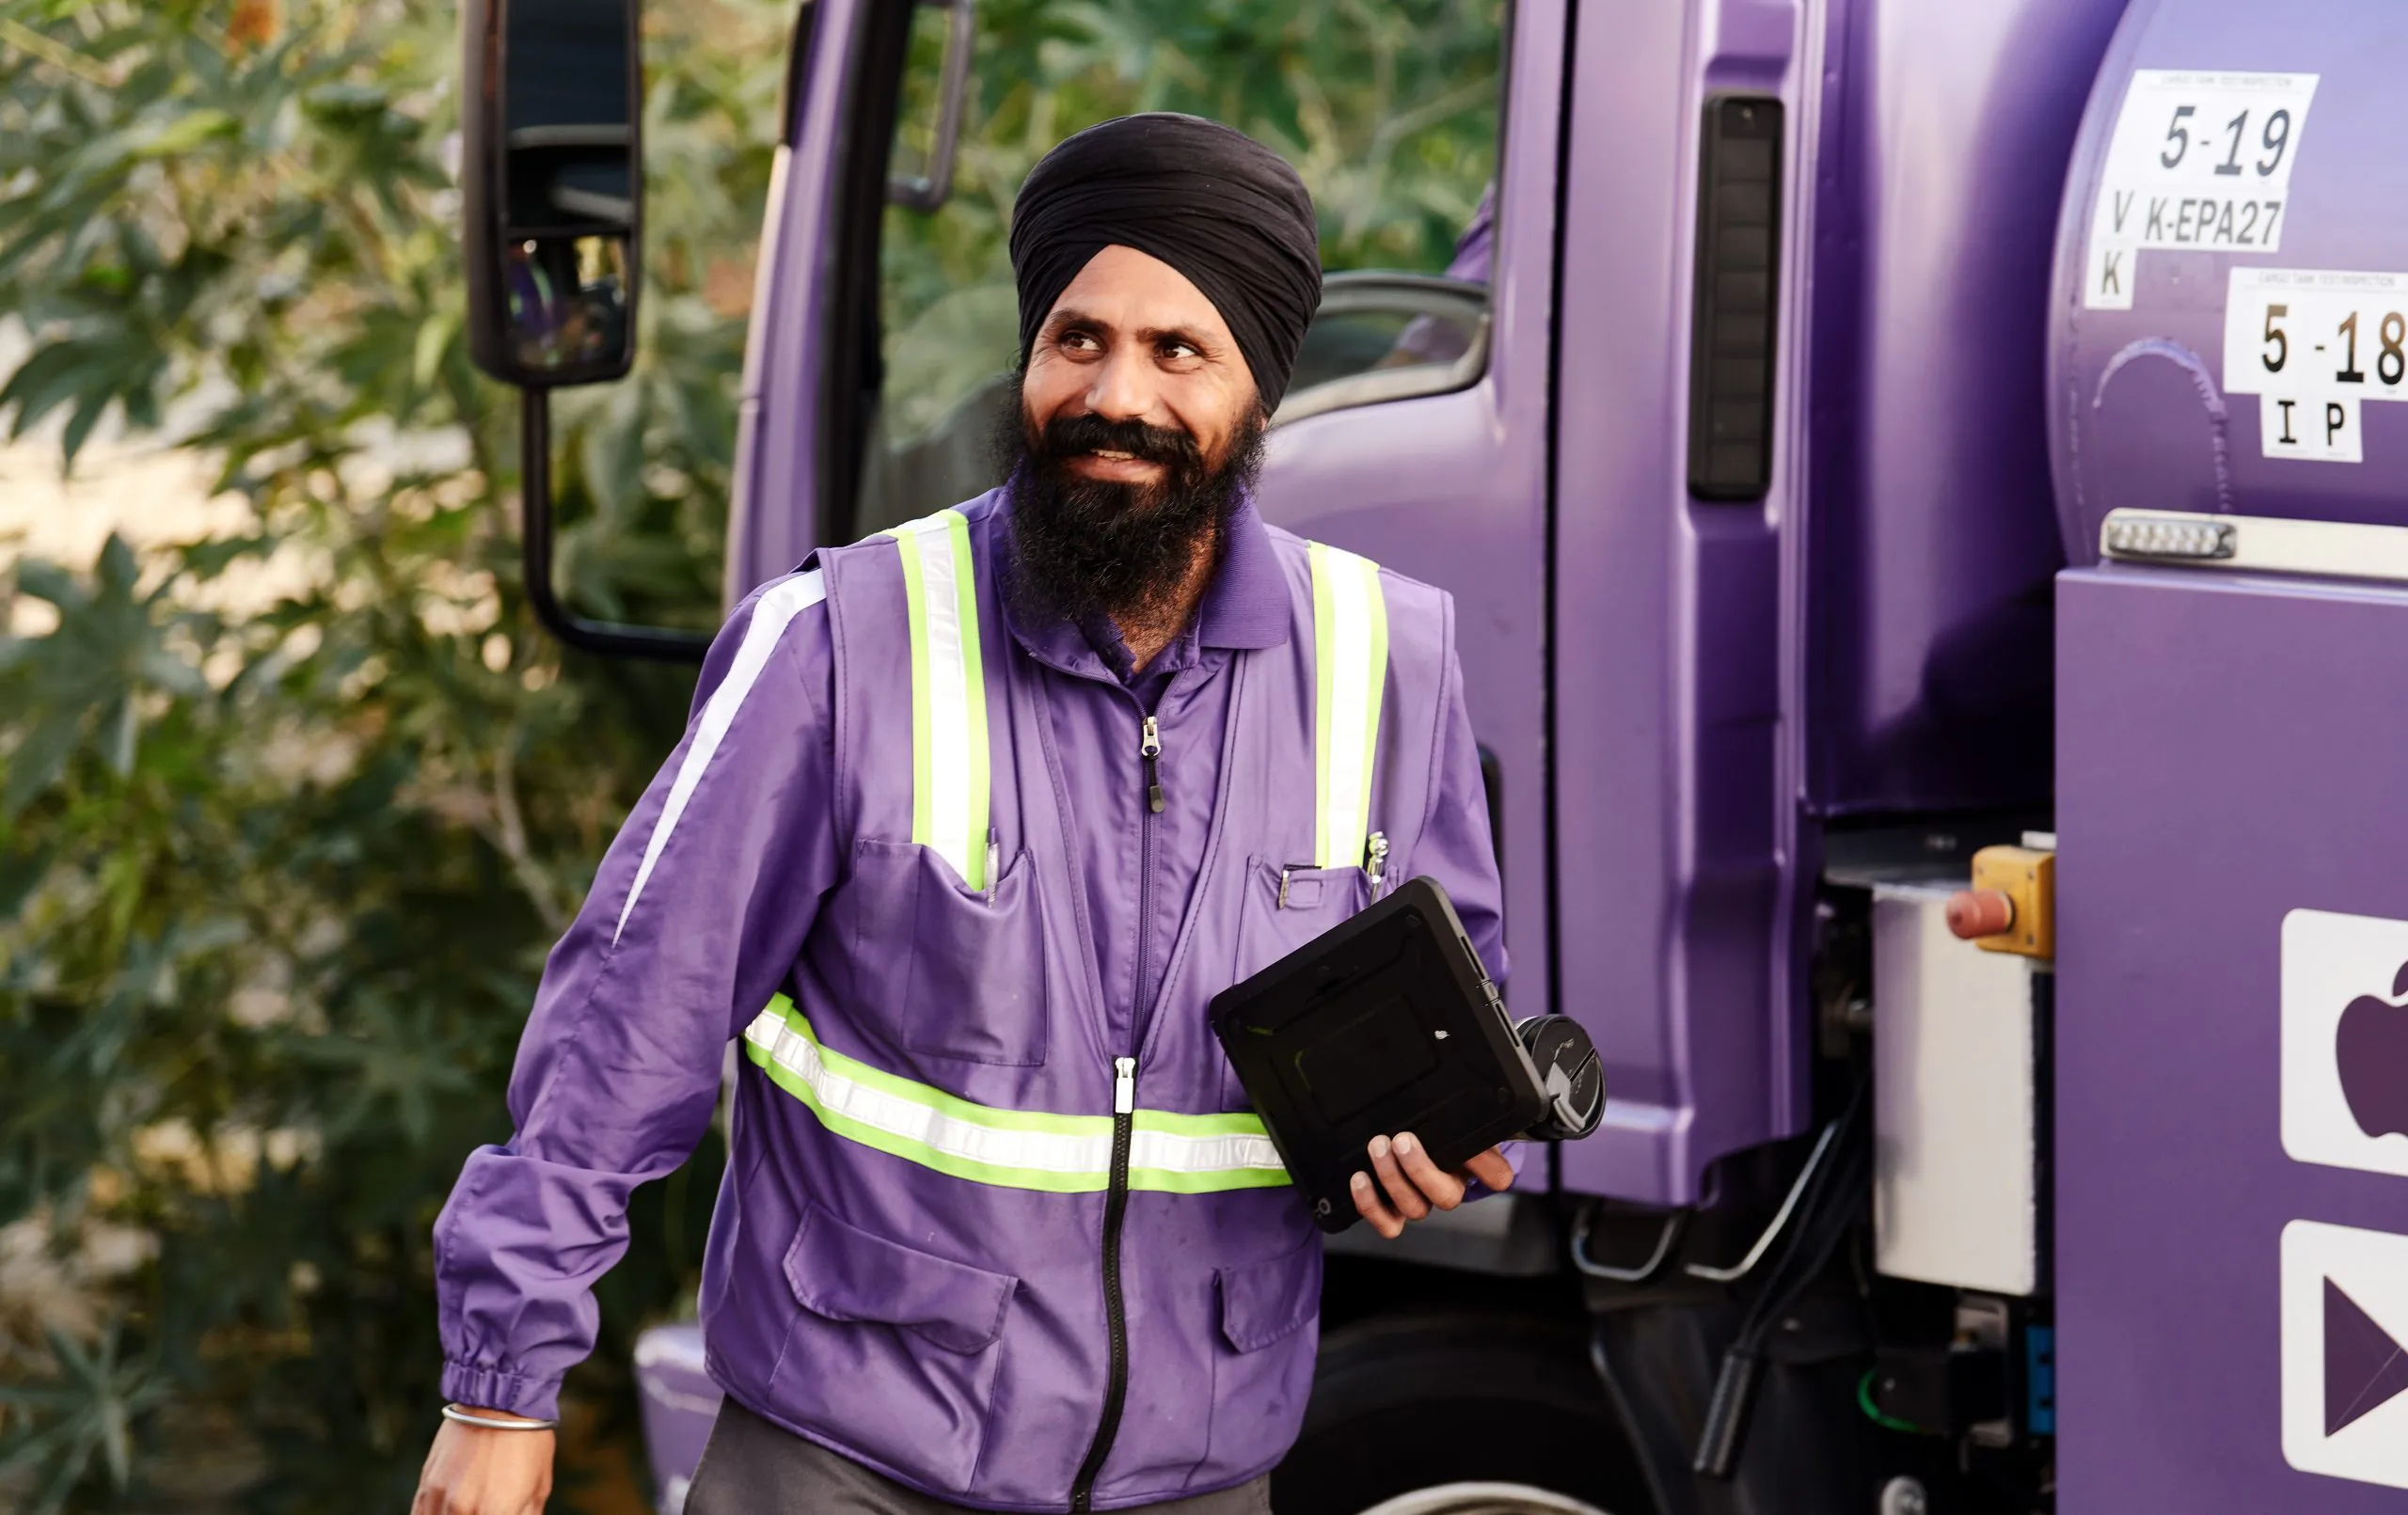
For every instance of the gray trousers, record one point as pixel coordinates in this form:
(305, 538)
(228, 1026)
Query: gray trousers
(754, 1467)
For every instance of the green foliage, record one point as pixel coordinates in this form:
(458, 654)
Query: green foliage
(290, 812)
(278, 870)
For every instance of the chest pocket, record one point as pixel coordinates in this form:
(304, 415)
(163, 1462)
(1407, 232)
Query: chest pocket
(1286, 906)
(948, 938)
(943, 970)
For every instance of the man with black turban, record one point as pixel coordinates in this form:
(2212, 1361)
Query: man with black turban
(972, 821)
(1168, 267)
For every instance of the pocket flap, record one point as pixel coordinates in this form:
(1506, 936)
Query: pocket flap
(1263, 1301)
(845, 1274)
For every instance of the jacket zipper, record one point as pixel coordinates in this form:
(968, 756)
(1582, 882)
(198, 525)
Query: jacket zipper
(1116, 1205)
(1150, 751)
(1124, 1106)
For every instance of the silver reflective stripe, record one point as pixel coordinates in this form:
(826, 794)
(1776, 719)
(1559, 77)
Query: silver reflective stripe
(1350, 673)
(771, 613)
(949, 763)
(1012, 1148)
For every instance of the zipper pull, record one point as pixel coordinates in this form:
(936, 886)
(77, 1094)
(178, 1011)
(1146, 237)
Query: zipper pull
(1124, 1085)
(1150, 749)
(992, 857)
(1376, 860)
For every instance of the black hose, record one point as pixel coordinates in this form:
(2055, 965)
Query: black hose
(1825, 1214)
(1726, 1415)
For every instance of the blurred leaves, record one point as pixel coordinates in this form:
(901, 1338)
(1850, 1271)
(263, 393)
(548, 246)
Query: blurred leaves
(91, 1405)
(87, 677)
(289, 814)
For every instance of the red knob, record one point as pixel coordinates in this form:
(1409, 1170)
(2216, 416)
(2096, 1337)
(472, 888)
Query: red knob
(1980, 912)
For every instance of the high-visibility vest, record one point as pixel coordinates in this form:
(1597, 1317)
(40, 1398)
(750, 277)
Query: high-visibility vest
(953, 770)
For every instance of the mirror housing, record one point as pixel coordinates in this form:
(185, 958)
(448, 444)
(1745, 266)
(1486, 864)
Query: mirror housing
(552, 185)
(551, 215)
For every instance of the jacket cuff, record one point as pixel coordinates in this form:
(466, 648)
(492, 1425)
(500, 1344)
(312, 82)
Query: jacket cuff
(490, 1388)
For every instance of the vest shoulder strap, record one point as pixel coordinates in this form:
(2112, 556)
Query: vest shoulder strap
(951, 769)
(1349, 675)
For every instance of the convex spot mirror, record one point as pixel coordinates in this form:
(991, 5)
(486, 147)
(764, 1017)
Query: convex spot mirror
(551, 187)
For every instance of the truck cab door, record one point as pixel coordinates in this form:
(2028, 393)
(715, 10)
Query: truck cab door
(813, 372)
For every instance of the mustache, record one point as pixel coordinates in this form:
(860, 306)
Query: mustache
(1069, 436)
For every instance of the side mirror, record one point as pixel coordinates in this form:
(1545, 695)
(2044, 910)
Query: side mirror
(1382, 336)
(551, 187)
(551, 201)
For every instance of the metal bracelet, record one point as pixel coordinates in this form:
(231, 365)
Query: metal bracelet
(466, 1418)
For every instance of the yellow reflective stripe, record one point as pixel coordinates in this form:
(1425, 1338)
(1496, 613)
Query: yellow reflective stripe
(1350, 677)
(977, 761)
(949, 760)
(1012, 1148)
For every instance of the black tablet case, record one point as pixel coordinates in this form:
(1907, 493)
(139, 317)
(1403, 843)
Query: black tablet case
(1385, 1023)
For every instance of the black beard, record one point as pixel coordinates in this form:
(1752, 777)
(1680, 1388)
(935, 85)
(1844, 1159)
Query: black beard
(1085, 547)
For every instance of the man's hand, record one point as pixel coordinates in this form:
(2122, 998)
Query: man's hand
(1414, 1185)
(472, 1471)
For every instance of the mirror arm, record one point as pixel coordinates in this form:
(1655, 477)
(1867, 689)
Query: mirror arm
(607, 638)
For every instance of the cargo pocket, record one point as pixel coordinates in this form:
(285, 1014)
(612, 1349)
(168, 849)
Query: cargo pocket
(1263, 1377)
(893, 1354)
(949, 973)
(1286, 908)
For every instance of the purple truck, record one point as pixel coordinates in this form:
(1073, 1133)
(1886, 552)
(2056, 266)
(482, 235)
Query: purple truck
(1842, 447)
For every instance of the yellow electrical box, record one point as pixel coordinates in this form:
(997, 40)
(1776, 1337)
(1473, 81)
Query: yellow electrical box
(2028, 877)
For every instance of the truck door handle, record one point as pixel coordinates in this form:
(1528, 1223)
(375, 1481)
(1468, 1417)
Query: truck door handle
(1732, 358)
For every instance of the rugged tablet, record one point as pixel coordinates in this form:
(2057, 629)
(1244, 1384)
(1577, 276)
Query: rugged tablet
(1389, 1023)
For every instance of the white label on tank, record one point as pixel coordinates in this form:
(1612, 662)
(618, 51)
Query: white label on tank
(2313, 344)
(2200, 161)
(2318, 431)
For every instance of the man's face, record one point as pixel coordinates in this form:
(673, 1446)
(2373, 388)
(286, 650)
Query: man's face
(1132, 342)
(1137, 429)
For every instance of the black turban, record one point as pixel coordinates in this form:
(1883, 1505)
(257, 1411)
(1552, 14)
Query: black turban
(1209, 200)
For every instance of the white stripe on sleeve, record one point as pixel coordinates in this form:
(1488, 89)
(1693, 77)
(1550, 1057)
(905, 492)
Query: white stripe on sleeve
(771, 615)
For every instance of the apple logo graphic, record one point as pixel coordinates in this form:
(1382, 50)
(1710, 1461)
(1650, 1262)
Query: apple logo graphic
(2371, 1048)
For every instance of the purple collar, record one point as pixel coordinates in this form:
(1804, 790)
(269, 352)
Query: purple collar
(1246, 604)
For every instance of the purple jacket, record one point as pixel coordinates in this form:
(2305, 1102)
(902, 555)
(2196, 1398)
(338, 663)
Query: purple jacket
(962, 905)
